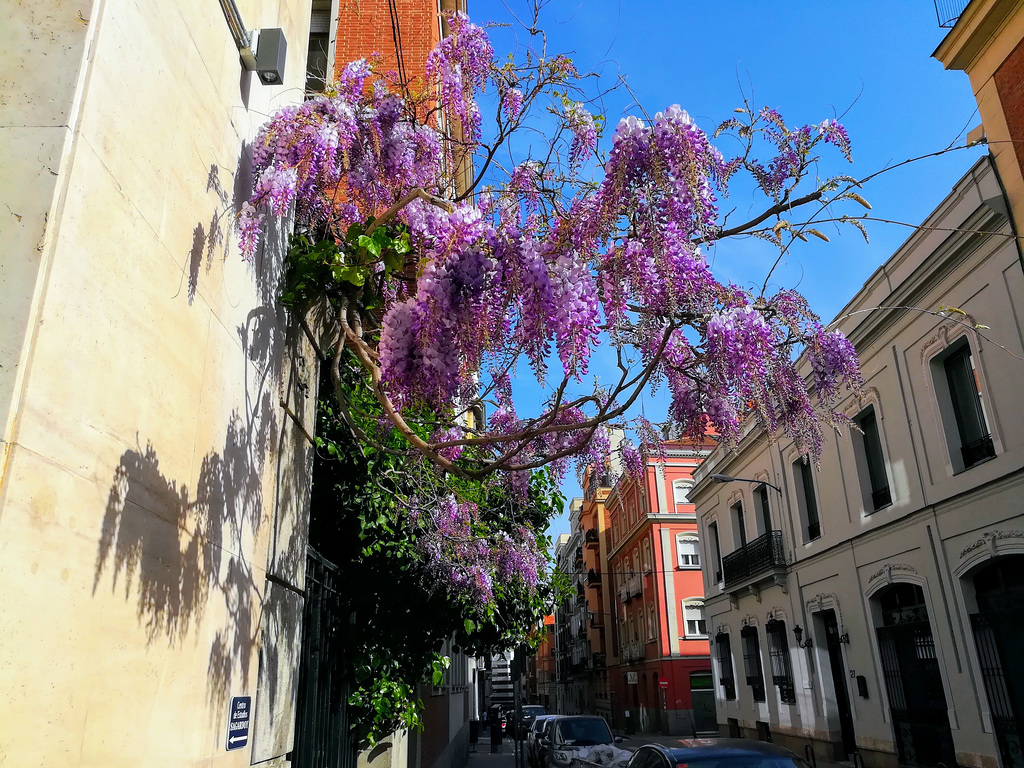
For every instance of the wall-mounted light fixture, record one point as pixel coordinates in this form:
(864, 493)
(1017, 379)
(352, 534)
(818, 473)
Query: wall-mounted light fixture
(262, 51)
(798, 631)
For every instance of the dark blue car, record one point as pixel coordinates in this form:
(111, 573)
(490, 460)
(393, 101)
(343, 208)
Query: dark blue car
(716, 753)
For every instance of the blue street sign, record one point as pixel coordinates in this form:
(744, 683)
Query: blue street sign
(238, 722)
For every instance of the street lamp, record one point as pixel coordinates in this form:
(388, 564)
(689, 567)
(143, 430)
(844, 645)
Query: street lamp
(799, 632)
(719, 478)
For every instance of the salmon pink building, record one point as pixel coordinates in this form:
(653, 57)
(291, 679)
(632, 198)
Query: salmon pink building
(662, 680)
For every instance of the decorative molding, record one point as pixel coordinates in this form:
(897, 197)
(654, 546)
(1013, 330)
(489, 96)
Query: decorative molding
(869, 396)
(793, 454)
(887, 569)
(990, 539)
(777, 613)
(949, 333)
(823, 601)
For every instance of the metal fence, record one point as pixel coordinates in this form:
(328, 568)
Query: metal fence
(762, 554)
(948, 11)
(322, 738)
(997, 637)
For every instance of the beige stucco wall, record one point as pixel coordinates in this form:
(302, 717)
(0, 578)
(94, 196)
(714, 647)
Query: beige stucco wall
(928, 535)
(151, 476)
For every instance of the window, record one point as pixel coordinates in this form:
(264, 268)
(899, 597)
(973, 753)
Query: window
(741, 526)
(778, 659)
(681, 491)
(962, 408)
(724, 651)
(752, 662)
(716, 551)
(688, 551)
(806, 500)
(764, 512)
(652, 624)
(647, 557)
(694, 623)
(871, 462)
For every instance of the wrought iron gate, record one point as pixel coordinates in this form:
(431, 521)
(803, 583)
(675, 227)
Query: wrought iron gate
(913, 682)
(321, 728)
(997, 637)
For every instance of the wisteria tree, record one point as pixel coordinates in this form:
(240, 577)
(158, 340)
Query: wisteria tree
(439, 272)
(444, 273)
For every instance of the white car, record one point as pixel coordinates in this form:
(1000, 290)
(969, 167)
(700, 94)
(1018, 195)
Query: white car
(537, 732)
(572, 735)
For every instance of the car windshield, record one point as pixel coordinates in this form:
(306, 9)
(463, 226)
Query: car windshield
(534, 711)
(584, 733)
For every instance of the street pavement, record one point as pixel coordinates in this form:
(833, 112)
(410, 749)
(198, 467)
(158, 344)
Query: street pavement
(482, 758)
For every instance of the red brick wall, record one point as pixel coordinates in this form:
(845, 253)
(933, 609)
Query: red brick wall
(365, 29)
(1009, 80)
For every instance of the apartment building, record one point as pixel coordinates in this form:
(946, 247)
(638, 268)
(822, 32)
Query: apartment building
(660, 671)
(872, 604)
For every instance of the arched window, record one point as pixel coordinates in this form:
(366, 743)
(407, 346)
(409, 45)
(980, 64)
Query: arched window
(687, 550)
(647, 556)
(652, 624)
(681, 491)
(694, 623)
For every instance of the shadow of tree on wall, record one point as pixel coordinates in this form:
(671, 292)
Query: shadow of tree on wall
(190, 556)
(179, 549)
(184, 554)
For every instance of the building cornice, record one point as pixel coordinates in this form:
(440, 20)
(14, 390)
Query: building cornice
(974, 31)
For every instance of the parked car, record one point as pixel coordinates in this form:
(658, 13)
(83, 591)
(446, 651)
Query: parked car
(530, 713)
(716, 753)
(541, 736)
(569, 734)
(533, 735)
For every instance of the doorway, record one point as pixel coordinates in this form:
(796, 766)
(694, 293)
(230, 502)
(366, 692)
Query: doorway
(702, 692)
(913, 679)
(998, 626)
(838, 669)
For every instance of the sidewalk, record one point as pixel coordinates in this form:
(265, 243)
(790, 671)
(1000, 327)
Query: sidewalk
(482, 758)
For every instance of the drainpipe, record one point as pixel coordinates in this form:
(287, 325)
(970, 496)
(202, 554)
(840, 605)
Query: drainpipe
(1009, 209)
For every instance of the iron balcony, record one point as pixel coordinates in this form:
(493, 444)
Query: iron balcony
(757, 560)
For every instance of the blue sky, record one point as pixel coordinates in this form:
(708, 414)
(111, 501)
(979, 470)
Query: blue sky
(810, 61)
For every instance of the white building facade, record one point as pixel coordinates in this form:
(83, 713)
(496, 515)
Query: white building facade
(874, 604)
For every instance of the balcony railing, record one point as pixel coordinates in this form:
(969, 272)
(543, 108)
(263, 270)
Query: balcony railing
(590, 538)
(881, 498)
(948, 11)
(978, 451)
(761, 555)
(632, 588)
(634, 652)
(593, 578)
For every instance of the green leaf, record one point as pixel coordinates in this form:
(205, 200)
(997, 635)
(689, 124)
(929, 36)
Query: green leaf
(350, 274)
(372, 244)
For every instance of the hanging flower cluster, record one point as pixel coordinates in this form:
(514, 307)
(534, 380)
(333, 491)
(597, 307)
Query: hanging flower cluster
(541, 271)
(468, 564)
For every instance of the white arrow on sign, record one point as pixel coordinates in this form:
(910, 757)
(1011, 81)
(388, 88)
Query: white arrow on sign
(233, 739)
